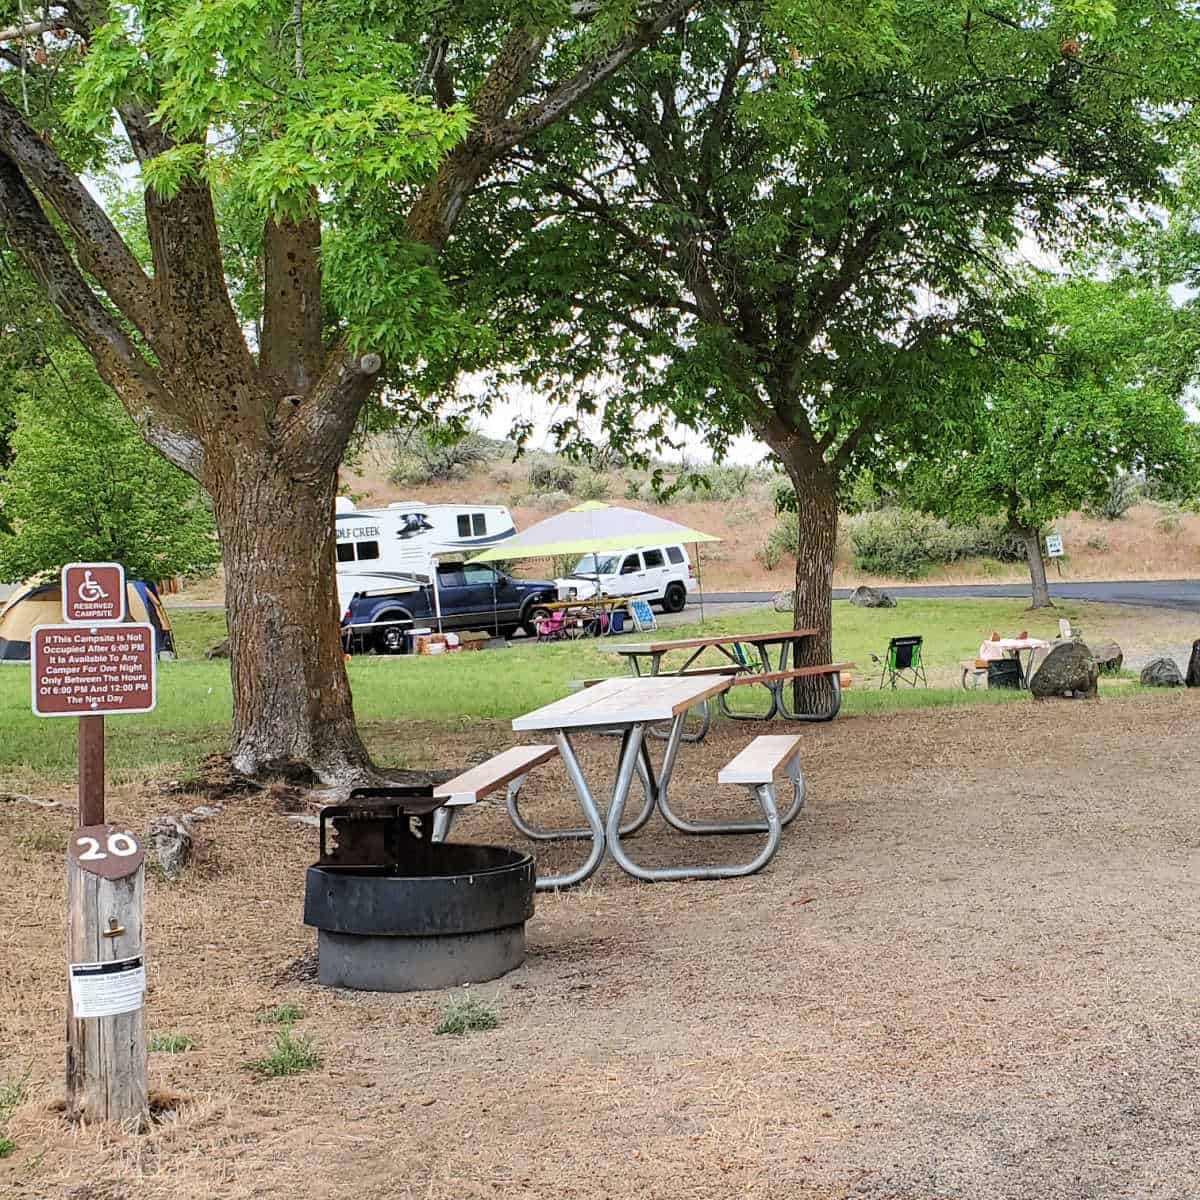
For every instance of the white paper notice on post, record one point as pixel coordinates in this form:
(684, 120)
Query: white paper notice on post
(107, 989)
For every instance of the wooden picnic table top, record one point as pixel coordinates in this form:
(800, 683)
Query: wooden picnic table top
(625, 700)
(590, 602)
(725, 639)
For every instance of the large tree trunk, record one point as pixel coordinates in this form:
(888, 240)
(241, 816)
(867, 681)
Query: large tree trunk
(1037, 568)
(291, 697)
(815, 485)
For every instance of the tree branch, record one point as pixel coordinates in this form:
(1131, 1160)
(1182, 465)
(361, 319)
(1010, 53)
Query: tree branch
(318, 430)
(566, 94)
(40, 248)
(102, 252)
(441, 202)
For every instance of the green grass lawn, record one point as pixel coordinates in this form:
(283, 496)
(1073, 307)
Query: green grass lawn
(192, 717)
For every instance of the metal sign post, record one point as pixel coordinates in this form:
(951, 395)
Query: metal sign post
(97, 663)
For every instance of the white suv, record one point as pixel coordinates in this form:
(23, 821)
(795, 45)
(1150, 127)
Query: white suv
(660, 574)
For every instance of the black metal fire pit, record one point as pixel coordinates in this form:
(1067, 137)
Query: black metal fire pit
(397, 912)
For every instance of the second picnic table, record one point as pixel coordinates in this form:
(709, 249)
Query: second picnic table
(774, 676)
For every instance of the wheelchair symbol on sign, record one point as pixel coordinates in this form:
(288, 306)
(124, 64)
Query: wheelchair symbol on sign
(90, 590)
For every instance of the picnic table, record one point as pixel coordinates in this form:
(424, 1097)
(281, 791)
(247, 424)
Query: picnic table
(594, 606)
(1014, 648)
(630, 704)
(773, 676)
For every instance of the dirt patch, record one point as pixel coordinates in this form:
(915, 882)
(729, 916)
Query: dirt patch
(970, 973)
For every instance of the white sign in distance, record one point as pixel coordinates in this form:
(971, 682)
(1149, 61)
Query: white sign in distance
(1054, 545)
(108, 989)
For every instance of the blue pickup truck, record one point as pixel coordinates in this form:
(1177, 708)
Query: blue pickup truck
(470, 596)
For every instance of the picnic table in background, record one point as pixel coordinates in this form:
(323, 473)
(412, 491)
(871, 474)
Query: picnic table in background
(629, 704)
(595, 611)
(748, 661)
(1014, 648)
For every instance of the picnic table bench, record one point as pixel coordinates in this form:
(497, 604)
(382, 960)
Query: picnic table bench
(630, 704)
(774, 676)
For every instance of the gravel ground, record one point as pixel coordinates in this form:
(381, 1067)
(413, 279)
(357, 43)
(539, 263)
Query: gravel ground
(971, 973)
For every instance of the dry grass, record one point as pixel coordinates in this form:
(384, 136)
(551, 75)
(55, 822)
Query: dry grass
(971, 972)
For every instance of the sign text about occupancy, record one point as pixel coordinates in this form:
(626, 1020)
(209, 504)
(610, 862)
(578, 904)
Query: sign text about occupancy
(80, 670)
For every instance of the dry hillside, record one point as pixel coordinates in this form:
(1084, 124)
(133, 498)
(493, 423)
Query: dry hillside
(1148, 542)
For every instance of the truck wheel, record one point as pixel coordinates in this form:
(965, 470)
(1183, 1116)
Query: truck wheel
(532, 617)
(675, 598)
(389, 639)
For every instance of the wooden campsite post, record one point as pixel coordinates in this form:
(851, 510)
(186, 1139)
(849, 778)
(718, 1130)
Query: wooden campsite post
(97, 663)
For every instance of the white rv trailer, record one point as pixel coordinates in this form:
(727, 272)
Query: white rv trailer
(394, 547)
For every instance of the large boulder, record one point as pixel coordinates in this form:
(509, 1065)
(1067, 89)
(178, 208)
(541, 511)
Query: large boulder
(1109, 657)
(1161, 672)
(784, 602)
(1068, 670)
(1192, 679)
(869, 597)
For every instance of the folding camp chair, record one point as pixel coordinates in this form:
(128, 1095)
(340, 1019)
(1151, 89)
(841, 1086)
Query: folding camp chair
(902, 661)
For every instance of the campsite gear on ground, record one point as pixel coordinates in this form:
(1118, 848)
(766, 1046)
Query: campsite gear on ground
(902, 662)
(41, 604)
(1005, 673)
(643, 616)
(999, 649)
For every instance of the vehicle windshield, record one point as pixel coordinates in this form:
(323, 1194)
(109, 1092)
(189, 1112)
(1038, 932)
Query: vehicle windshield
(597, 564)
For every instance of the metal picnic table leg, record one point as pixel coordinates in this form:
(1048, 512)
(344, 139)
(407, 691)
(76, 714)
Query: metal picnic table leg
(835, 703)
(765, 658)
(630, 753)
(799, 791)
(578, 834)
(547, 883)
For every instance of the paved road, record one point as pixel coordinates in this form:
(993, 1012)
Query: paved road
(1153, 593)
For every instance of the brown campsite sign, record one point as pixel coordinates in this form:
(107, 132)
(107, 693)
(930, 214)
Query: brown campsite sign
(93, 593)
(80, 671)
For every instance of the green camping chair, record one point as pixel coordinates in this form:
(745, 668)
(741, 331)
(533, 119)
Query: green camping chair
(902, 662)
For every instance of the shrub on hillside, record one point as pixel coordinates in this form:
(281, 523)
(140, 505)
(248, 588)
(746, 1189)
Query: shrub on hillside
(591, 486)
(784, 538)
(547, 474)
(1124, 491)
(424, 459)
(906, 544)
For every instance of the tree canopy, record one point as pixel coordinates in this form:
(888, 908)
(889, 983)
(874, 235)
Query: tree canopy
(1100, 397)
(748, 232)
(313, 158)
(84, 486)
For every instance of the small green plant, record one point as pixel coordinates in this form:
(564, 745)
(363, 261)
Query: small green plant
(171, 1043)
(292, 1055)
(467, 1016)
(1097, 542)
(12, 1092)
(281, 1014)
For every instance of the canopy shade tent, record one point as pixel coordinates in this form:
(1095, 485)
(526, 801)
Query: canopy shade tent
(591, 526)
